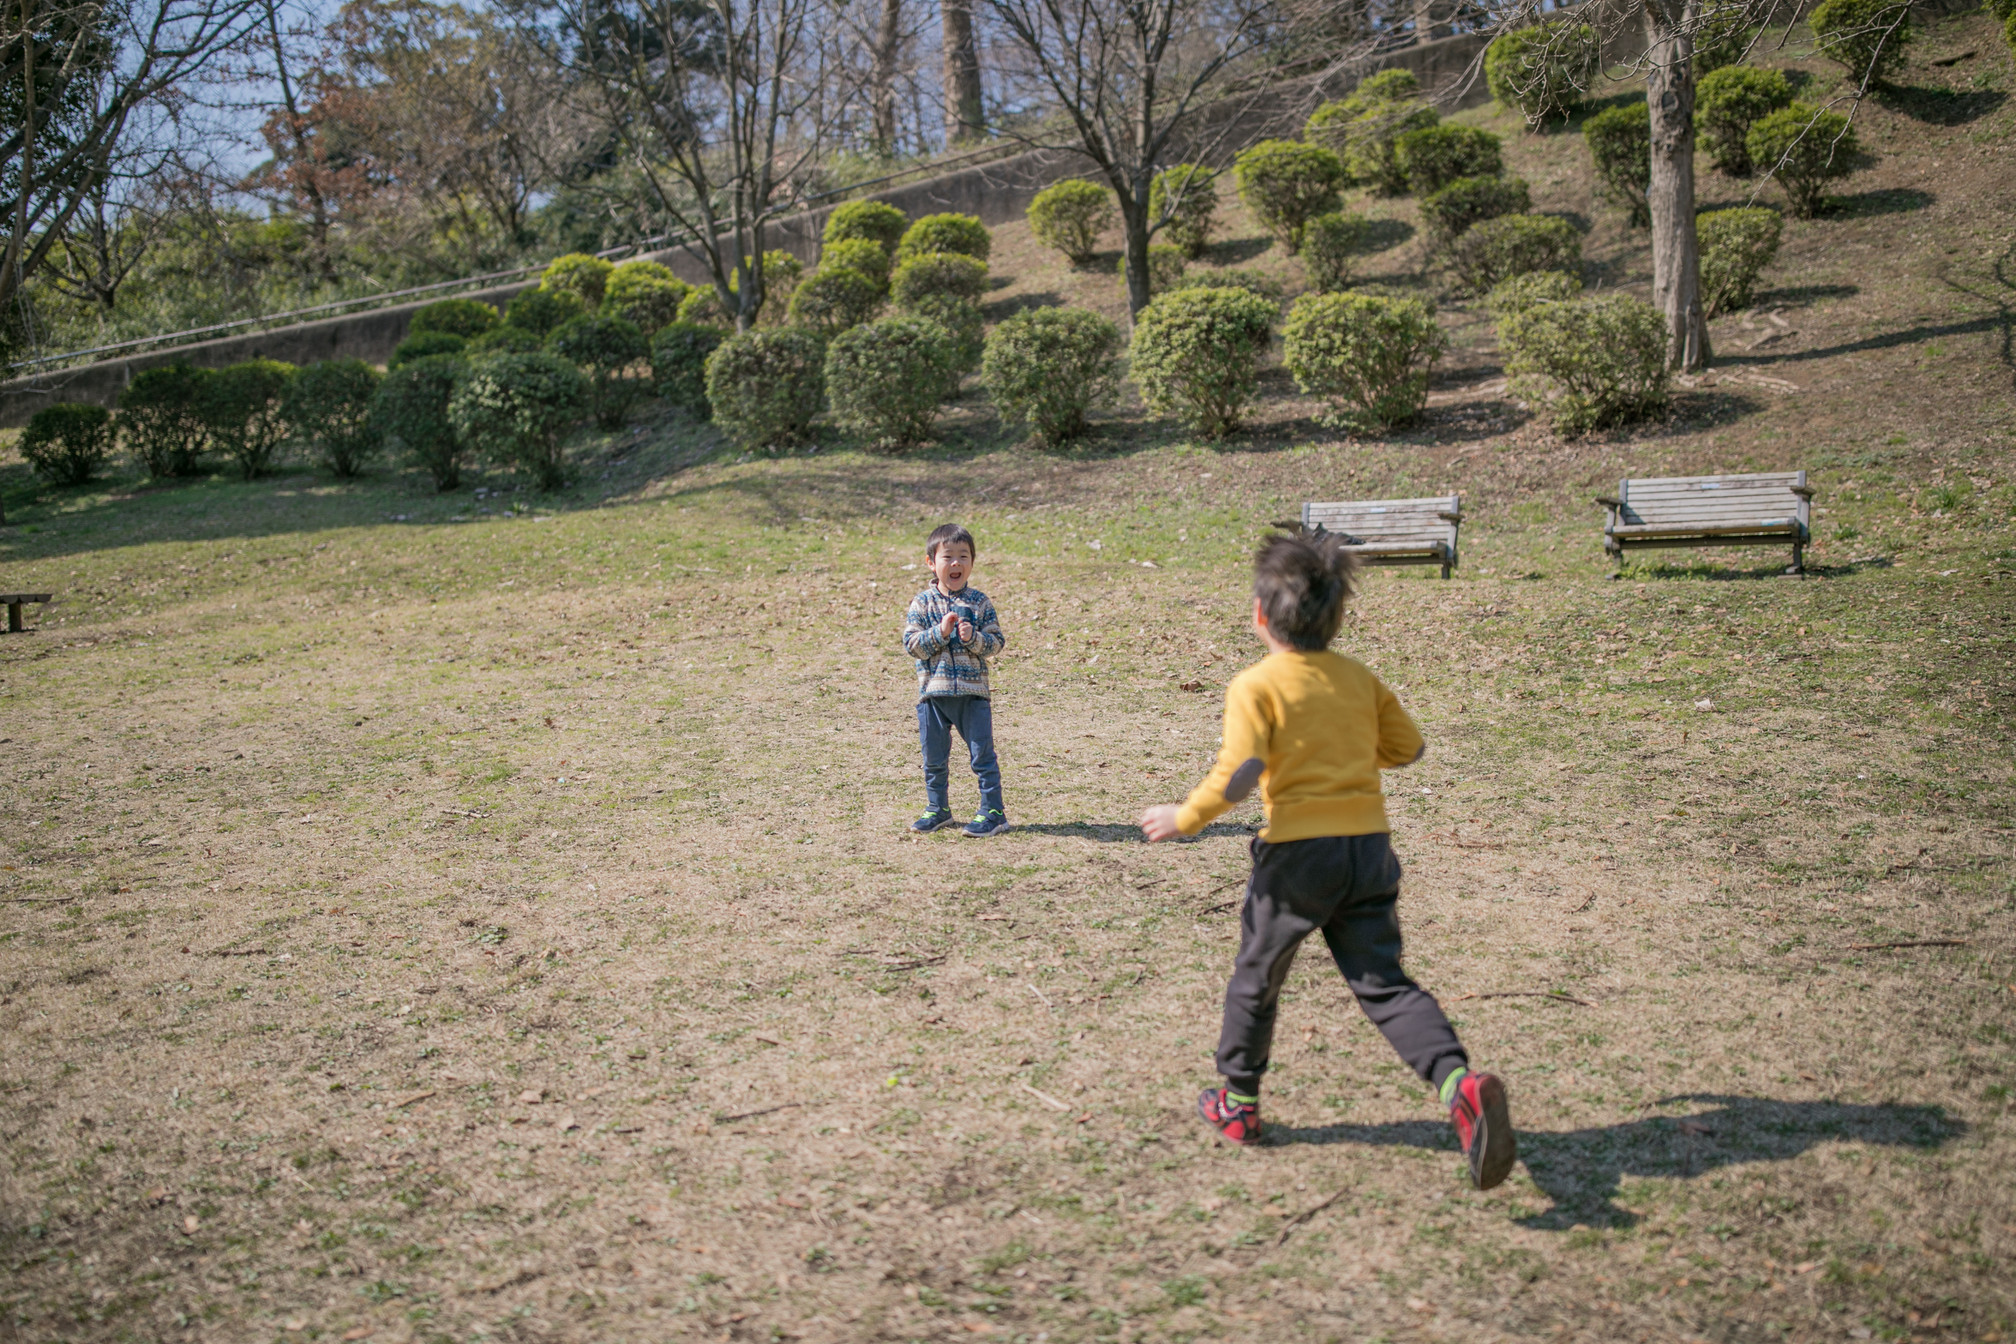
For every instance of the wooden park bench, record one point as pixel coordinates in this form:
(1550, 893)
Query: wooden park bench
(1391, 531)
(14, 601)
(1765, 509)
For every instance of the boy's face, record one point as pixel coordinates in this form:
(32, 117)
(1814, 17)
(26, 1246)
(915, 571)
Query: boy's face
(951, 563)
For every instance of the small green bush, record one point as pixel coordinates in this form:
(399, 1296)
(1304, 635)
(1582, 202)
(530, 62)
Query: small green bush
(458, 317)
(961, 320)
(161, 418)
(886, 379)
(702, 307)
(950, 273)
(836, 298)
(242, 407)
(1727, 103)
(872, 221)
(328, 404)
(1510, 245)
(518, 409)
(1434, 156)
(1049, 367)
(1286, 185)
(679, 364)
(1736, 246)
(67, 443)
(2003, 10)
(1534, 288)
(645, 294)
(963, 234)
(421, 344)
(410, 410)
(1864, 37)
(765, 386)
(1184, 198)
(1805, 148)
(541, 311)
(2009, 33)
(606, 349)
(579, 274)
(1165, 268)
(782, 274)
(1330, 244)
(1235, 277)
(1471, 200)
(1589, 362)
(857, 254)
(1329, 127)
(1196, 354)
(1070, 215)
(1620, 147)
(1723, 38)
(503, 341)
(1544, 70)
(1369, 356)
(1373, 158)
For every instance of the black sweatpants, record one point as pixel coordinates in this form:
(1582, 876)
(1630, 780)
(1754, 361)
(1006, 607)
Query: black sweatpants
(1345, 885)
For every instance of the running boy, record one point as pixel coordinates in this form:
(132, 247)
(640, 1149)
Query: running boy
(951, 630)
(1313, 729)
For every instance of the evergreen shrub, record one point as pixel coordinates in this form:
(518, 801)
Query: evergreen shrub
(328, 405)
(857, 254)
(1286, 184)
(1471, 200)
(67, 443)
(1544, 70)
(955, 274)
(1864, 37)
(1727, 103)
(1620, 147)
(1070, 215)
(1530, 290)
(504, 340)
(1196, 355)
(679, 364)
(837, 297)
(702, 307)
(606, 349)
(242, 408)
(540, 311)
(645, 294)
(466, 318)
(518, 408)
(1374, 116)
(1235, 277)
(1185, 197)
(1587, 363)
(963, 234)
(961, 320)
(1736, 246)
(161, 418)
(870, 221)
(1330, 244)
(1434, 156)
(1805, 148)
(579, 274)
(1049, 367)
(1723, 39)
(886, 379)
(410, 410)
(1165, 268)
(1368, 356)
(765, 386)
(1510, 245)
(420, 344)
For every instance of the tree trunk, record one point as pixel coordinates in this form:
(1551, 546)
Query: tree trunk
(1134, 225)
(965, 120)
(1676, 253)
(882, 80)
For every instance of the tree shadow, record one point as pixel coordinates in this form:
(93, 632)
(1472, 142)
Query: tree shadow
(997, 310)
(1582, 1170)
(1232, 251)
(1885, 201)
(1939, 106)
(1799, 296)
(1886, 341)
(1115, 833)
(1705, 407)
(1383, 235)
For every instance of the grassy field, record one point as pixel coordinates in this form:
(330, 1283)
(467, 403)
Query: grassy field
(491, 915)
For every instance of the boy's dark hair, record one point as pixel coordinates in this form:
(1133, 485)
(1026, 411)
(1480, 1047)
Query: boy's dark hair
(1303, 584)
(945, 534)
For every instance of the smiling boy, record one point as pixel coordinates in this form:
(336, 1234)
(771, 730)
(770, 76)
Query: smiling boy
(952, 630)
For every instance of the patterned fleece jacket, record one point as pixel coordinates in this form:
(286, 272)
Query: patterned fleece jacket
(945, 666)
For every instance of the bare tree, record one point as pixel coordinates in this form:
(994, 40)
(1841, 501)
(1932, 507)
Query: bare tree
(106, 239)
(886, 51)
(965, 116)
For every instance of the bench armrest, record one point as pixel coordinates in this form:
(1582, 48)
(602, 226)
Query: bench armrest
(1803, 491)
(1448, 517)
(1609, 502)
(1292, 525)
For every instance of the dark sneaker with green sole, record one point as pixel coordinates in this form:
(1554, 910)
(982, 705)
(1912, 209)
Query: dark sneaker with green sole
(989, 822)
(931, 821)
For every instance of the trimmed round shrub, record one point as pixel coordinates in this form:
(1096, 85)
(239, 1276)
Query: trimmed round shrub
(1049, 367)
(1471, 200)
(1864, 37)
(161, 418)
(503, 341)
(579, 274)
(963, 234)
(2009, 32)
(1805, 148)
(1196, 355)
(679, 364)
(1362, 128)
(857, 254)
(1544, 70)
(1286, 184)
(1736, 246)
(329, 406)
(606, 349)
(67, 443)
(1330, 244)
(410, 411)
(961, 320)
(466, 318)
(1329, 127)
(886, 379)
(541, 311)
(1727, 103)
(242, 407)
(872, 221)
(1723, 39)
(1620, 146)
(1070, 215)
(1434, 156)
(1185, 198)
(950, 273)
(1510, 245)
(1165, 268)
(1368, 356)
(1530, 290)
(645, 294)
(765, 386)
(419, 345)
(518, 408)
(2003, 10)
(836, 298)
(1589, 362)
(1234, 277)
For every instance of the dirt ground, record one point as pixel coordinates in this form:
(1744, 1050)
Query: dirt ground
(455, 918)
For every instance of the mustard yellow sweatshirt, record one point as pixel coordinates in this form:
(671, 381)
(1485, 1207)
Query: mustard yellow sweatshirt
(1313, 730)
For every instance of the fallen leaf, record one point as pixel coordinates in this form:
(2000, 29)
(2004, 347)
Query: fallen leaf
(1806, 1267)
(361, 1332)
(567, 1122)
(157, 1194)
(191, 1223)
(529, 1097)
(295, 1324)
(1189, 685)
(404, 1102)
(1809, 1077)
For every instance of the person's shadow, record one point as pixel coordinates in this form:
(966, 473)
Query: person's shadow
(1581, 1169)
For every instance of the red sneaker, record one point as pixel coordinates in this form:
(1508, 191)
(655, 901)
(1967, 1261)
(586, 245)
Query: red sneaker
(1236, 1121)
(1484, 1127)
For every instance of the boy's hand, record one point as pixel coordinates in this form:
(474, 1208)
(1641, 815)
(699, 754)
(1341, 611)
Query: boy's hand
(948, 624)
(965, 632)
(1159, 823)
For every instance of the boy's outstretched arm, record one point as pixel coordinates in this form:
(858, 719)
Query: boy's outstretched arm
(1399, 739)
(1241, 762)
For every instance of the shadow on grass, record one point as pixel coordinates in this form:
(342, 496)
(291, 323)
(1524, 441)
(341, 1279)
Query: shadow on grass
(1117, 833)
(1888, 340)
(1873, 204)
(1937, 106)
(1235, 250)
(1799, 296)
(1582, 1170)
(1383, 235)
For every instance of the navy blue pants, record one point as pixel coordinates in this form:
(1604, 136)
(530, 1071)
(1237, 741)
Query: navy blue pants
(973, 717)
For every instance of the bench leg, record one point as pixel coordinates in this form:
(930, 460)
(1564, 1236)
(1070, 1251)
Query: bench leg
(1445, 571)
(1798, 559)
(14, 626)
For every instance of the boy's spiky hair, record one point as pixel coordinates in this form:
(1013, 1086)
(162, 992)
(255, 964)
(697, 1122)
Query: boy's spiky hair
(945, 534)
(1303, 584)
